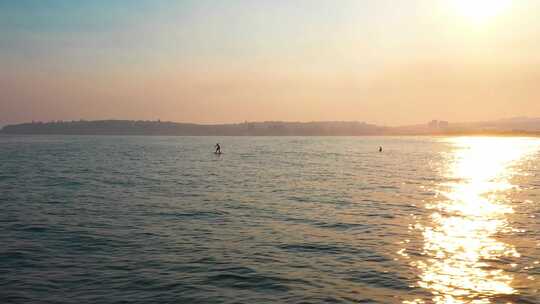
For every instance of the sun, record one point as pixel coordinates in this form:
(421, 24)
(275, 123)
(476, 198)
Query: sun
(480, 11)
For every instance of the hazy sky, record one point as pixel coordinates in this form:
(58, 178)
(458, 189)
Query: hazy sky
(382, 61)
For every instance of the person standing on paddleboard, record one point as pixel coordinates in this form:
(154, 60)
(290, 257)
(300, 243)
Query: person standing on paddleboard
(218, 149)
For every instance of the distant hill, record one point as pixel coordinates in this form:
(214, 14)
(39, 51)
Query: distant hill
(509, 126)
(516, 124)
(512, 126)
(128, 127)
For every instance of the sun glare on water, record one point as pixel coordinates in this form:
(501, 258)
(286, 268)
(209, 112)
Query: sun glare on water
(470, 212)
(480, 11)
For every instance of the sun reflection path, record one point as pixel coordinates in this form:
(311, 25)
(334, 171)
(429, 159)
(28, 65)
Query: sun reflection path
(460, 237)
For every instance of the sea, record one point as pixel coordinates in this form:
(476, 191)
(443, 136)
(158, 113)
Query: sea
(150, 219)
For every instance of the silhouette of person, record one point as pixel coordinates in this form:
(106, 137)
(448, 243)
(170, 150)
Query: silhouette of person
(380, 148)
(218, 148)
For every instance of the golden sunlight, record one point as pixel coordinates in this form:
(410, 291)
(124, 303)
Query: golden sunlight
(460, 237)
(480, 11)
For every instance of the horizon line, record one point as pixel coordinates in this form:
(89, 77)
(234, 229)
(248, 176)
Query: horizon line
(271, 121)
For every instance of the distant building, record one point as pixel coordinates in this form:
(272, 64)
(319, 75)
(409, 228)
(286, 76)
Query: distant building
(438, 124)
(434, 124)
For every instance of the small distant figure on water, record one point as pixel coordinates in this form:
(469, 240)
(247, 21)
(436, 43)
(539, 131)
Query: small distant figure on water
(218, 149)
(380, 148)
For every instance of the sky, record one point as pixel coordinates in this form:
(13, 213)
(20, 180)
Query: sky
(389, 62)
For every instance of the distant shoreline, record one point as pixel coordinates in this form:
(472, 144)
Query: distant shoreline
(271, 128)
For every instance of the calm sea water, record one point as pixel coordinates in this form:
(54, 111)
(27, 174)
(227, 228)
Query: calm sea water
(272, 220)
